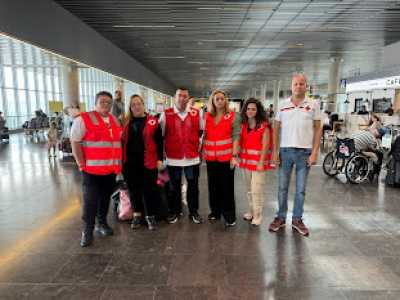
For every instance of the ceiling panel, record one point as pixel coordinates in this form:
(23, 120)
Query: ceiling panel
(239, 44)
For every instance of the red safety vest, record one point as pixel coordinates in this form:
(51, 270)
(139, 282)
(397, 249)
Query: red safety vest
(182, 137)
(101, 149)
(218, 142)
(150, 146)
(251, 146)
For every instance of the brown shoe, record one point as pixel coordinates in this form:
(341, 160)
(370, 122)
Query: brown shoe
(277, 224)
(300, 227)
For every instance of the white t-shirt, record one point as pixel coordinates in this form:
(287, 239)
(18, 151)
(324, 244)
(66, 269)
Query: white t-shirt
(185, 162)
(297, 123)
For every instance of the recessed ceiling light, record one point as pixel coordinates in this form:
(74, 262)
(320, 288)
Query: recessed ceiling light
(198, 62)
(300, 44)
(209, 8)
(224, 40)
(168, 57)
(144, 26)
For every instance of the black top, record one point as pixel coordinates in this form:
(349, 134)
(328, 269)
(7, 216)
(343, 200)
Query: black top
(135, 145)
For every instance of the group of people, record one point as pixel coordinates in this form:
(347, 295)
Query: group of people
(103, 148)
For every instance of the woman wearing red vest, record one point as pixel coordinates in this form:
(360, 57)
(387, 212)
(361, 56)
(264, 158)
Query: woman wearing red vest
(220, 145)
(143, 154)
(96, 145)
(255, 155)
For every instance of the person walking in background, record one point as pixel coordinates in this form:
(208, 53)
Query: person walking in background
(52, 139)
(255, 156)
(118, 108)
(221, 142)
(297, 135)
(182, 128)
(143, 156)
(96, 146)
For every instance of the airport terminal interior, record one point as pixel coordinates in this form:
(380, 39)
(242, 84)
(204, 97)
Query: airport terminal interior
(56, 56)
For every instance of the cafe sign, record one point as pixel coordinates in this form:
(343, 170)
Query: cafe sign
(375, 84)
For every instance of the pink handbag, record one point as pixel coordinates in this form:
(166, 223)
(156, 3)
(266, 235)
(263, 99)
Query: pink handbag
(125, 211)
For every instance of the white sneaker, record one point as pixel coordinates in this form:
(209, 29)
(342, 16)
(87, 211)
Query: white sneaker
(248, 217)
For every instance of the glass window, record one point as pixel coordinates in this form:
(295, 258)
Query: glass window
(20, 78)
(8, 77)
(40, 79)
(11, 104)
(49, 82)
(38, 56)
(23, 108)
(32, 101)
(42, 100)
(56, 81)
(31, 79)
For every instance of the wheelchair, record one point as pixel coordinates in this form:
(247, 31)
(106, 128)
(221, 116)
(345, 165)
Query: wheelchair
(358, 167)
(363, 166)
(335, 161)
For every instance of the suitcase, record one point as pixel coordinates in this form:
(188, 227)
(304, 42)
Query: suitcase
(65, 146)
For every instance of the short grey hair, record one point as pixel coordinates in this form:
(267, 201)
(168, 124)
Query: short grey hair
(299, 74)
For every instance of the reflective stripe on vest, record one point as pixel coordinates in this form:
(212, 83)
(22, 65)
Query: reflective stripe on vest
(93, 118)
(252, 152)
(101, 144)
(218, 143)
(218, 152)
(105, 162)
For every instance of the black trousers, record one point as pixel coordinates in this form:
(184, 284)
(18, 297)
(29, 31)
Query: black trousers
(142, 185)
(97, 190)
(192, 178)
(221, 179)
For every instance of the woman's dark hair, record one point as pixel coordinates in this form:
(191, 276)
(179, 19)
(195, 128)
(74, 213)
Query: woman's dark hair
(261, 115)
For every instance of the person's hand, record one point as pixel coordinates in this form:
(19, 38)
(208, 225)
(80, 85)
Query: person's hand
(233, 162)
(260, 166)
(160, 165)
(276, 159)
(312, 159)
(81, 165)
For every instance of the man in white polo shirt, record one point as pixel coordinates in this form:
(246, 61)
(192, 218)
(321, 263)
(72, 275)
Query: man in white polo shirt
(297, 135)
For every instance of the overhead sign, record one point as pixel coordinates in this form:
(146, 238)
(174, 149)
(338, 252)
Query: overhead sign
(375, 84)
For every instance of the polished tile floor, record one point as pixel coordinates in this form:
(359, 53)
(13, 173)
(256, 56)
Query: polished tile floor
(353, 251)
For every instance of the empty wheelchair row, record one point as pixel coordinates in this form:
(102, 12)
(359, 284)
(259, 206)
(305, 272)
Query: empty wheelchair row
(358, 166)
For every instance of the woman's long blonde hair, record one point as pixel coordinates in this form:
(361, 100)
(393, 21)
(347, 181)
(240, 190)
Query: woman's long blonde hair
(129, 115)
(211, 107)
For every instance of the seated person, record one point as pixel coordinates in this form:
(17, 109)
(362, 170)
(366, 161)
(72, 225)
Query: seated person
(375, 122)
(389, 111)
(367, 141)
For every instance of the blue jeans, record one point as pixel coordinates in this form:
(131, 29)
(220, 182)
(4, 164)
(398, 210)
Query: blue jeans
(290, 157)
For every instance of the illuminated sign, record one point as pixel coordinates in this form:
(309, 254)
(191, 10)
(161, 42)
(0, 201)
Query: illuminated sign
(375, 84)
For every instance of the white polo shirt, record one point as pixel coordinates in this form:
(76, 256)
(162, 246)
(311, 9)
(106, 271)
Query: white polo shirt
(297, 123)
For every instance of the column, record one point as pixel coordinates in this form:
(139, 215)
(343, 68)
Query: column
(70, 84)
(333, 82)
(263, 93)
(275, 95)
(396, 101)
